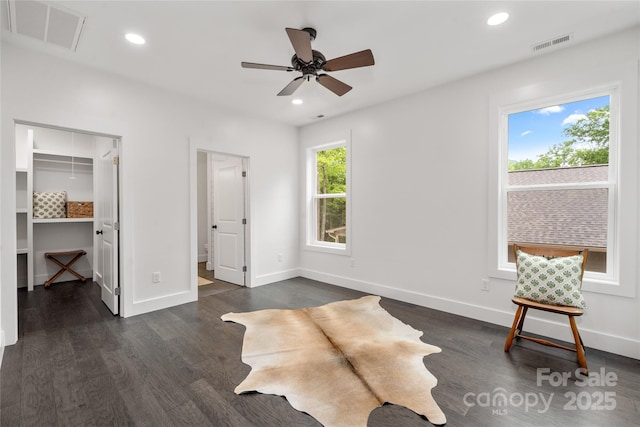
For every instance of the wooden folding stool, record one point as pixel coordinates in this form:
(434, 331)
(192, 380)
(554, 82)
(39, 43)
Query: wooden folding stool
(51, 256)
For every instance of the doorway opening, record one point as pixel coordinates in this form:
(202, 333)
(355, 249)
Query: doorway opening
(67, 203)
(222, 206)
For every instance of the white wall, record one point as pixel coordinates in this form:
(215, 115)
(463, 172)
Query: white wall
(2, 232)
(155, 171)
(420, 171)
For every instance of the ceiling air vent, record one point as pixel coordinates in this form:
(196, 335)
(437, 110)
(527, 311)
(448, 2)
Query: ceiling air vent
(551, 43)
(47, 22)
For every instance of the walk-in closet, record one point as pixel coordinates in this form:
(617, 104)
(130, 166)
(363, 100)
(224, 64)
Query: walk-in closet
(66, 208)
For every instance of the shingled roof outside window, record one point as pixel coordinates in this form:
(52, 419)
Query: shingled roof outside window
(572, 217)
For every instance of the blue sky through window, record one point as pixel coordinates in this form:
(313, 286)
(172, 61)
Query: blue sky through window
(532, 133)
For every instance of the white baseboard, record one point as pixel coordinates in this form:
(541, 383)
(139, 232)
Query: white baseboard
(164, 301)
(202, 258)
(265, 279)
(65, 277)
(561, 331)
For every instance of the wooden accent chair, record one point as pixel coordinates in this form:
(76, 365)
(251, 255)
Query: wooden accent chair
(525, 304)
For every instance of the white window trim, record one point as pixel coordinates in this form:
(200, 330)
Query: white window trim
(611, 276)
(621, 83)
(311, 242)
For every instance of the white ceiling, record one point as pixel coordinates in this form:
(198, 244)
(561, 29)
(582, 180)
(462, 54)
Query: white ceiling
(195, 47)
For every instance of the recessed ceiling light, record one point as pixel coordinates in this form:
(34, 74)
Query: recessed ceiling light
(498, 18)
(296, 101)
(135, 38)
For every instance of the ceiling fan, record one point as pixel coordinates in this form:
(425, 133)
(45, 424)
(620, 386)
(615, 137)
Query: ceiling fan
(311, 63)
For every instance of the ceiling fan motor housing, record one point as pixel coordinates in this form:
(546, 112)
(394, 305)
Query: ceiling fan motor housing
(310, 68)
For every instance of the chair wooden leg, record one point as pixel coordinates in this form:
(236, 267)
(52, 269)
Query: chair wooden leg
(516, 321)
(521, 322)
(582, 361)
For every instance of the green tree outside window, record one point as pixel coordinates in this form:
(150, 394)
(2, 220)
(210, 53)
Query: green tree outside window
(587, 144)
(332, 180)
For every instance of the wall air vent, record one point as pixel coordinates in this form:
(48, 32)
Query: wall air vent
(46, 22)
(551, 43)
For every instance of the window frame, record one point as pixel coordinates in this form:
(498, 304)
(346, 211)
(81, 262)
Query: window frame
(312, 196)
(611, 274)
(620, 278)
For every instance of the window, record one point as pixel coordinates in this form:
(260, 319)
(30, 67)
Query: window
(604, 192)
(327, 190)
(560, 188)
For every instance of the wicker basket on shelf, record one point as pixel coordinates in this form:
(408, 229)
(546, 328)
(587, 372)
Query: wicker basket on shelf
(79, 209)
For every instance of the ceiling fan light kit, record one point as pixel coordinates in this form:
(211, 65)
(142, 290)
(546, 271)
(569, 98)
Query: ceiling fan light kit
(311, 63)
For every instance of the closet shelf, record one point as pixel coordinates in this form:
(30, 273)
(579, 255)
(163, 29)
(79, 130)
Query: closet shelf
(60, 220)
(22, 251)
(50, 156)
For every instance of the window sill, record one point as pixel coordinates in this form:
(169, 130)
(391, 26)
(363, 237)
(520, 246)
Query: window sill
(598, 285)
(329, 249)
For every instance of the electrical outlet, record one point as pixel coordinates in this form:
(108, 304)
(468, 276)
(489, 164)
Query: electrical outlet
(280, 257)
(485, 285)
(155, 277)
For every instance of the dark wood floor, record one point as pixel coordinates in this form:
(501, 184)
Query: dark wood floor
(204, 273)
(76, 364)
(216, 286)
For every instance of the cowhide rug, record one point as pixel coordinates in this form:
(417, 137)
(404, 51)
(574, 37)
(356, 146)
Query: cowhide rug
(338, 362)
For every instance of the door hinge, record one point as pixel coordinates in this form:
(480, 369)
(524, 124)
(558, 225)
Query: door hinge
(116, 226)
(244, 269)
(116, 291)
(244, 221)
(244, 174)
(116, 160)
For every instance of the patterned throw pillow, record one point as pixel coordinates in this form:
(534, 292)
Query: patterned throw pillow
(550, 281)
(49, 205)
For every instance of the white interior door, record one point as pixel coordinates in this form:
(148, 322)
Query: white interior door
(106, 217)
(228, 219)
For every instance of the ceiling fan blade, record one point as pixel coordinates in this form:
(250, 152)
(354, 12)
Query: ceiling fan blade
(355, 60)
(334, 85)
(265, 66)
(301, 41)
(291, 87)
